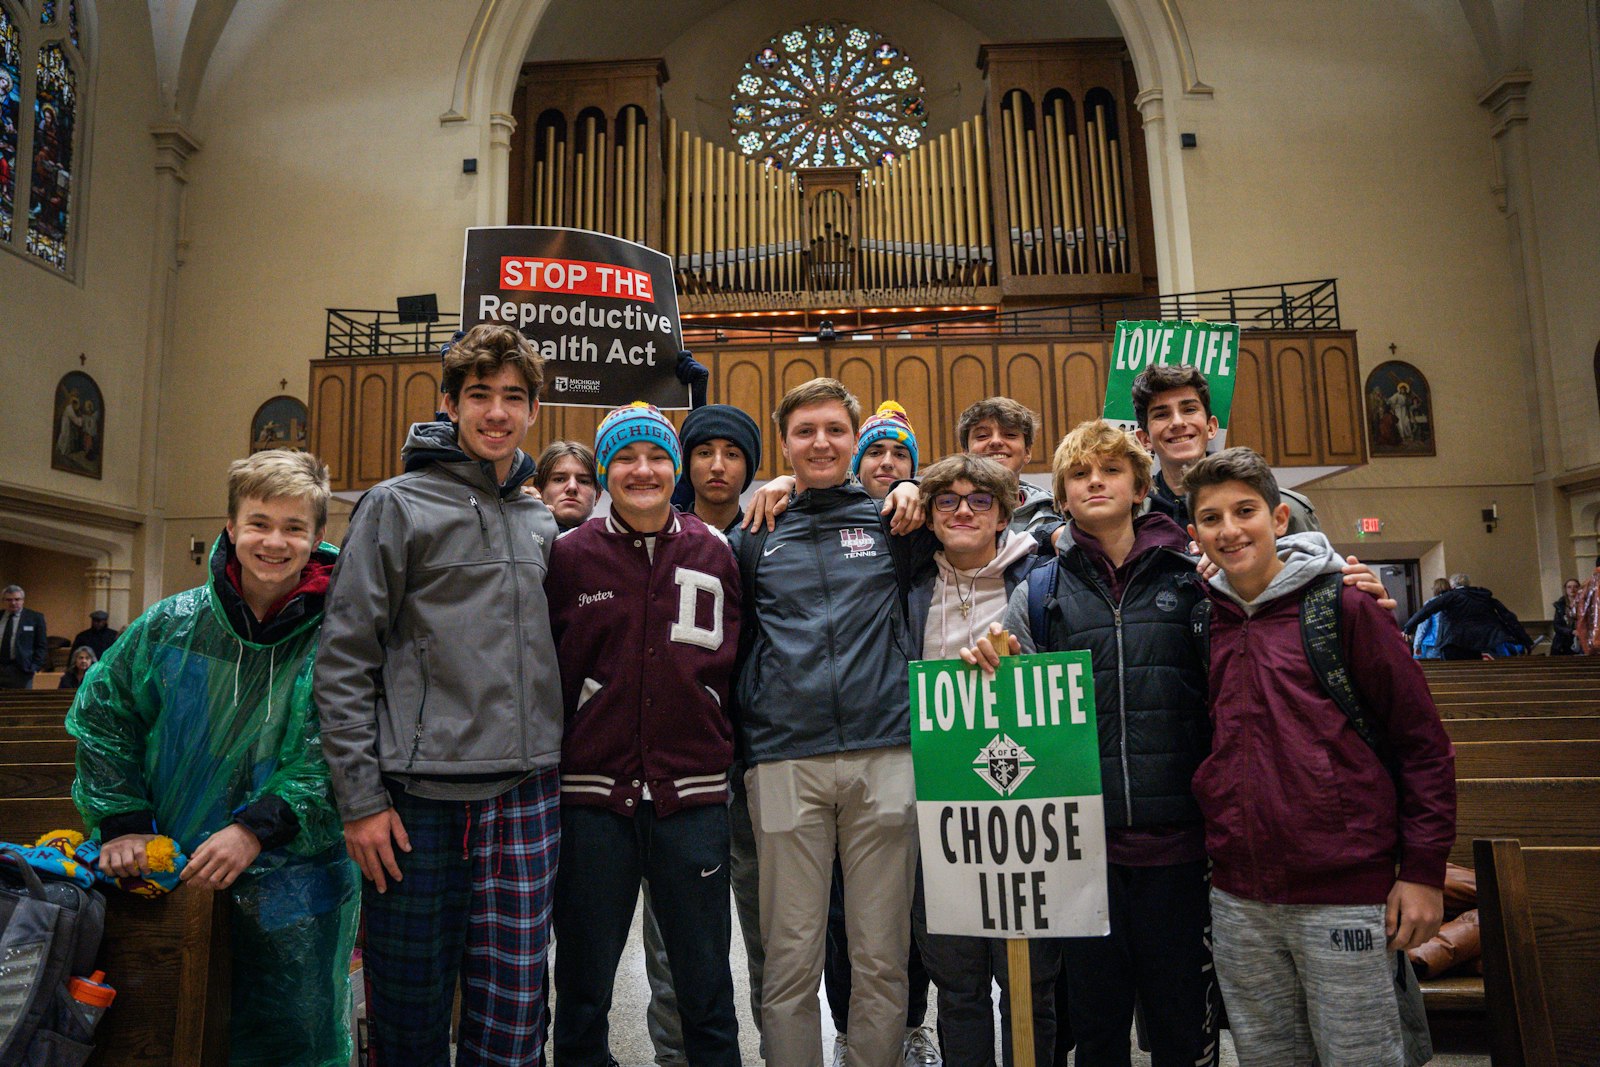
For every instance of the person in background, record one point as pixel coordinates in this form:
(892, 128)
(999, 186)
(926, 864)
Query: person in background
(564, 478)
(1586, 628)
(1003, 430)
(83, 658)
(1472, 623)
(1173, 405)
(24, 648)
(98, 637)
(886, 450)
(1566, 619)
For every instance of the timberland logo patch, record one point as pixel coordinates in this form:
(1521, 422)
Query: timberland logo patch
(1167, 600)
(1004, 764)
(585, 599)
(1358, 940)
(857, 543)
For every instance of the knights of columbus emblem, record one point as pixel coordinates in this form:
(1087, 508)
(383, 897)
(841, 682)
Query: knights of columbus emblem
(1003, 764)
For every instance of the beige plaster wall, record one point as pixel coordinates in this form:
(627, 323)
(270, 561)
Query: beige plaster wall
(1343, 144)
(326, 180)
(1564, 144)
(49, 319)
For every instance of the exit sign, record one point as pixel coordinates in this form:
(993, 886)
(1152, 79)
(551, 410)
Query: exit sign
(1369, 526)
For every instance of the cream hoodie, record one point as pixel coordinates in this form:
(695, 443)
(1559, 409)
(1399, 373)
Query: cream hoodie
(983, 590)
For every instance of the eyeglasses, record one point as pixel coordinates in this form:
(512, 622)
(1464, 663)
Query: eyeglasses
(951, 501)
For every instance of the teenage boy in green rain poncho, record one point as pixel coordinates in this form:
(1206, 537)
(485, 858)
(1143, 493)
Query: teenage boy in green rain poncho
(199, 724)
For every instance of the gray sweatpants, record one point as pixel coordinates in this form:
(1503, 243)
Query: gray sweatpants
(1304, 978)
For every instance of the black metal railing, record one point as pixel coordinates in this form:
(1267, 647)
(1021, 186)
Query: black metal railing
(1310, 305)
(354, 333)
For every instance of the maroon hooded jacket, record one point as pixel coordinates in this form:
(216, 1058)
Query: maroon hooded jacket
(646, 649)
(1299, 810)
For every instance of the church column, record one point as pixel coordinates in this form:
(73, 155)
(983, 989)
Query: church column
(1174, 265)
(1507, 101)
(174, 145)
(498, 187)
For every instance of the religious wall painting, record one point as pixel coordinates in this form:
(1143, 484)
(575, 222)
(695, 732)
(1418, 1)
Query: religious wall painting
(78, 430)
(279, 423)
(1399, 410)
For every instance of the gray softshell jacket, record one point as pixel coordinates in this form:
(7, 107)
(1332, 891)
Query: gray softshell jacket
(436, 658)
(825, 670)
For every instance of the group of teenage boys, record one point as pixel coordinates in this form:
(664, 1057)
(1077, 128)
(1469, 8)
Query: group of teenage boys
(694, 701)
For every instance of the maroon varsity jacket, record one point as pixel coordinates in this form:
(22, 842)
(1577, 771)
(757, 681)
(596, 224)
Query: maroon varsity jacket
(646, 649)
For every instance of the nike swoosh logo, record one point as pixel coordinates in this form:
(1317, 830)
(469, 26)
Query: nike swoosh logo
(769, 551)
(714, 870)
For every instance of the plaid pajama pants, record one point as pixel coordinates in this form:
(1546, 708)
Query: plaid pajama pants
(475, 898)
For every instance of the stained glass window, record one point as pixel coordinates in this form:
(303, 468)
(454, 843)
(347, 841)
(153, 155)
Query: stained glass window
(47, 12)
(10, 107)
(50, 198)
(828, 94)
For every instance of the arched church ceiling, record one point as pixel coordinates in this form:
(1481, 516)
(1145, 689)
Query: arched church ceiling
(567, 28)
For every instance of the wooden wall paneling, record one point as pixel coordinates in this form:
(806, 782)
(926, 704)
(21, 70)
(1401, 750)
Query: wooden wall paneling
(1021, 375)
(1294, 425)
(376, 447)
(1338, 379)
(862, 372)
(741, 379)
(1250, 423)
(330, 421)
(794, 366)
(914, 384)
(968, 378)
(1081, 370)
(418, 398)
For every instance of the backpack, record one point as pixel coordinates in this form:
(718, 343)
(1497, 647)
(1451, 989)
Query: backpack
(50, 930)
(1320, 635)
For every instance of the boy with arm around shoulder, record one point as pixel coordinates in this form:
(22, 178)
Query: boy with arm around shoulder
(1305, 824)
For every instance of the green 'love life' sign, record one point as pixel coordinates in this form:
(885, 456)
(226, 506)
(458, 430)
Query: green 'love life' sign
(1213, 347)
(1009, 809)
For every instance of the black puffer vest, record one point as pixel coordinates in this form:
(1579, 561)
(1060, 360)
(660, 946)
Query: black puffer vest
(1149, 681)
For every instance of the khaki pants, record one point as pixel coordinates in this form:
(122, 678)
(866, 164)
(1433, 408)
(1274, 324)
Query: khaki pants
(862, 805)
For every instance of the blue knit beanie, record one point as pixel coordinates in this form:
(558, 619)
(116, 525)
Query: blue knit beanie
(629, 424)
(888, 423)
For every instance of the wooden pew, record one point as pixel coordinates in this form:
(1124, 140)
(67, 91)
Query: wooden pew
(169, 959)
(1531, 728)
(1528, 759)
(1542, 811)
(1517, 709)
(62, 750)
(1540, 918)
(1563, 812)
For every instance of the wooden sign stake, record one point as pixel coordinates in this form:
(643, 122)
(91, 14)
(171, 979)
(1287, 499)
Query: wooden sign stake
(1018, 971)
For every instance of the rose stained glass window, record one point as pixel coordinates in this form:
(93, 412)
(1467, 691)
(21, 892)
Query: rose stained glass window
(828, 94)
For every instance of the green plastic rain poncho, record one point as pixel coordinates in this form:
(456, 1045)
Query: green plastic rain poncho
(200, 716)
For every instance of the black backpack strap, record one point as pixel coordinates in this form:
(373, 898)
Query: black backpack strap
(1320, 627)
(1041, 591)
